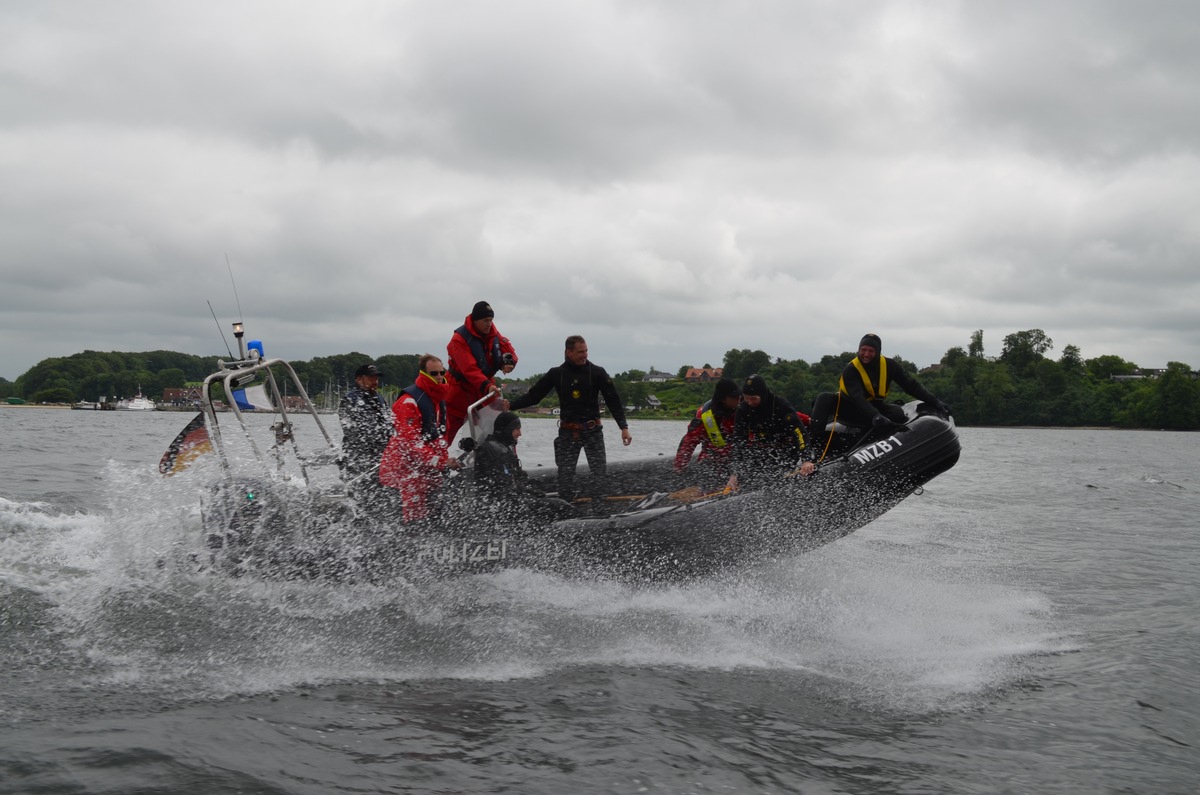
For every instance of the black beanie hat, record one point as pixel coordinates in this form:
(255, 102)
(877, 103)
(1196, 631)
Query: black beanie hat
(481, 310)
(755, 385)
(506, 422)
(873, 341)
(367, 369)
(726, 388)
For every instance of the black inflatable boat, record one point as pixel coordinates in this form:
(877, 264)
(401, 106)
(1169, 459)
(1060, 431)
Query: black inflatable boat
(268, 513)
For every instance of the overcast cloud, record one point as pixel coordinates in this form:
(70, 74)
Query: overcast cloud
(671, 180)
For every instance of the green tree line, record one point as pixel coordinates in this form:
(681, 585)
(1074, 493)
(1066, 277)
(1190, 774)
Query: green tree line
(1022, 385)
(92, 375)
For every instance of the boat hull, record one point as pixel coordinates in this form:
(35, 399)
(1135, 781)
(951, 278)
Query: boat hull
(787, 518)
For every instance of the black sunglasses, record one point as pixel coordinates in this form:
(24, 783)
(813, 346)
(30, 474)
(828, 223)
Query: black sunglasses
(435, 373)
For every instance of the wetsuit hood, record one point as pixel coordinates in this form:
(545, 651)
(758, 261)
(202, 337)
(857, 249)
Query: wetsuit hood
(756, 385)
(726, 388)
(872, 341)
(506, 422)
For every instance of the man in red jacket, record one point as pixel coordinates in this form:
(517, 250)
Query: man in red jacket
(477, 351)
(416, 458)
(712, 431)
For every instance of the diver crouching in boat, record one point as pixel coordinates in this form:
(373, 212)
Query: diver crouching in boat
(769, 440)
(712, 431)
(500, 480)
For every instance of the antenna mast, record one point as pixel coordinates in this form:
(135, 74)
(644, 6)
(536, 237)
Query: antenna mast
(222, 333)
(235, 295)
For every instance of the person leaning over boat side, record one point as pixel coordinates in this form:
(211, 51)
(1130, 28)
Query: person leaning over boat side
(366, 427)
(712, 431)
(476, 352)
(580, 385)
(862, 389)
(501, 480)
(769, 439)
(416, 458)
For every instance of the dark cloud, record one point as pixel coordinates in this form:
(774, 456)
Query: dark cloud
(671, 181)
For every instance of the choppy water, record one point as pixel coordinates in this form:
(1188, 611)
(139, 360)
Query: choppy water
(1028, 624)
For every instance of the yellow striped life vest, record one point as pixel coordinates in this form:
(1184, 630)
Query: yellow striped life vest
(713, 428)
(862, 371)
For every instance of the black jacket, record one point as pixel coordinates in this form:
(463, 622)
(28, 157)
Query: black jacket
(366, 427)
(498, 471)
(768, 437)
(579, 391)
(857, 391)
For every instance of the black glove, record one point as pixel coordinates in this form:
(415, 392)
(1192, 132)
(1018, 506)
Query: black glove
(942, 407)
(882, 423)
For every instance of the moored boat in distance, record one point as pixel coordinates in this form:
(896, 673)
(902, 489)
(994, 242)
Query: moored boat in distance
(138, 402)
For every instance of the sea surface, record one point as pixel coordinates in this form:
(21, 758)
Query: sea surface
(1027, 624)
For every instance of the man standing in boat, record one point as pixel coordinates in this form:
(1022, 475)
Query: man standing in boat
(416, 458)
(712, 431)
(580, 385)
(366, 424)
(862, 389)
(476, 352)
(769, 440)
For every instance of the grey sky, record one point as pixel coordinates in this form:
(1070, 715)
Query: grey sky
(671, 180)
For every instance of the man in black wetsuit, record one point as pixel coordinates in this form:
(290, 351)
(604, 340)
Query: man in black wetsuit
(769, 441)
(862, 389)
(501, 480)
(498, 471)
(580, 385)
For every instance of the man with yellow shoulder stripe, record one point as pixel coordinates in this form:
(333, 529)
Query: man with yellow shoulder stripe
(712, 431)
(863, 390)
